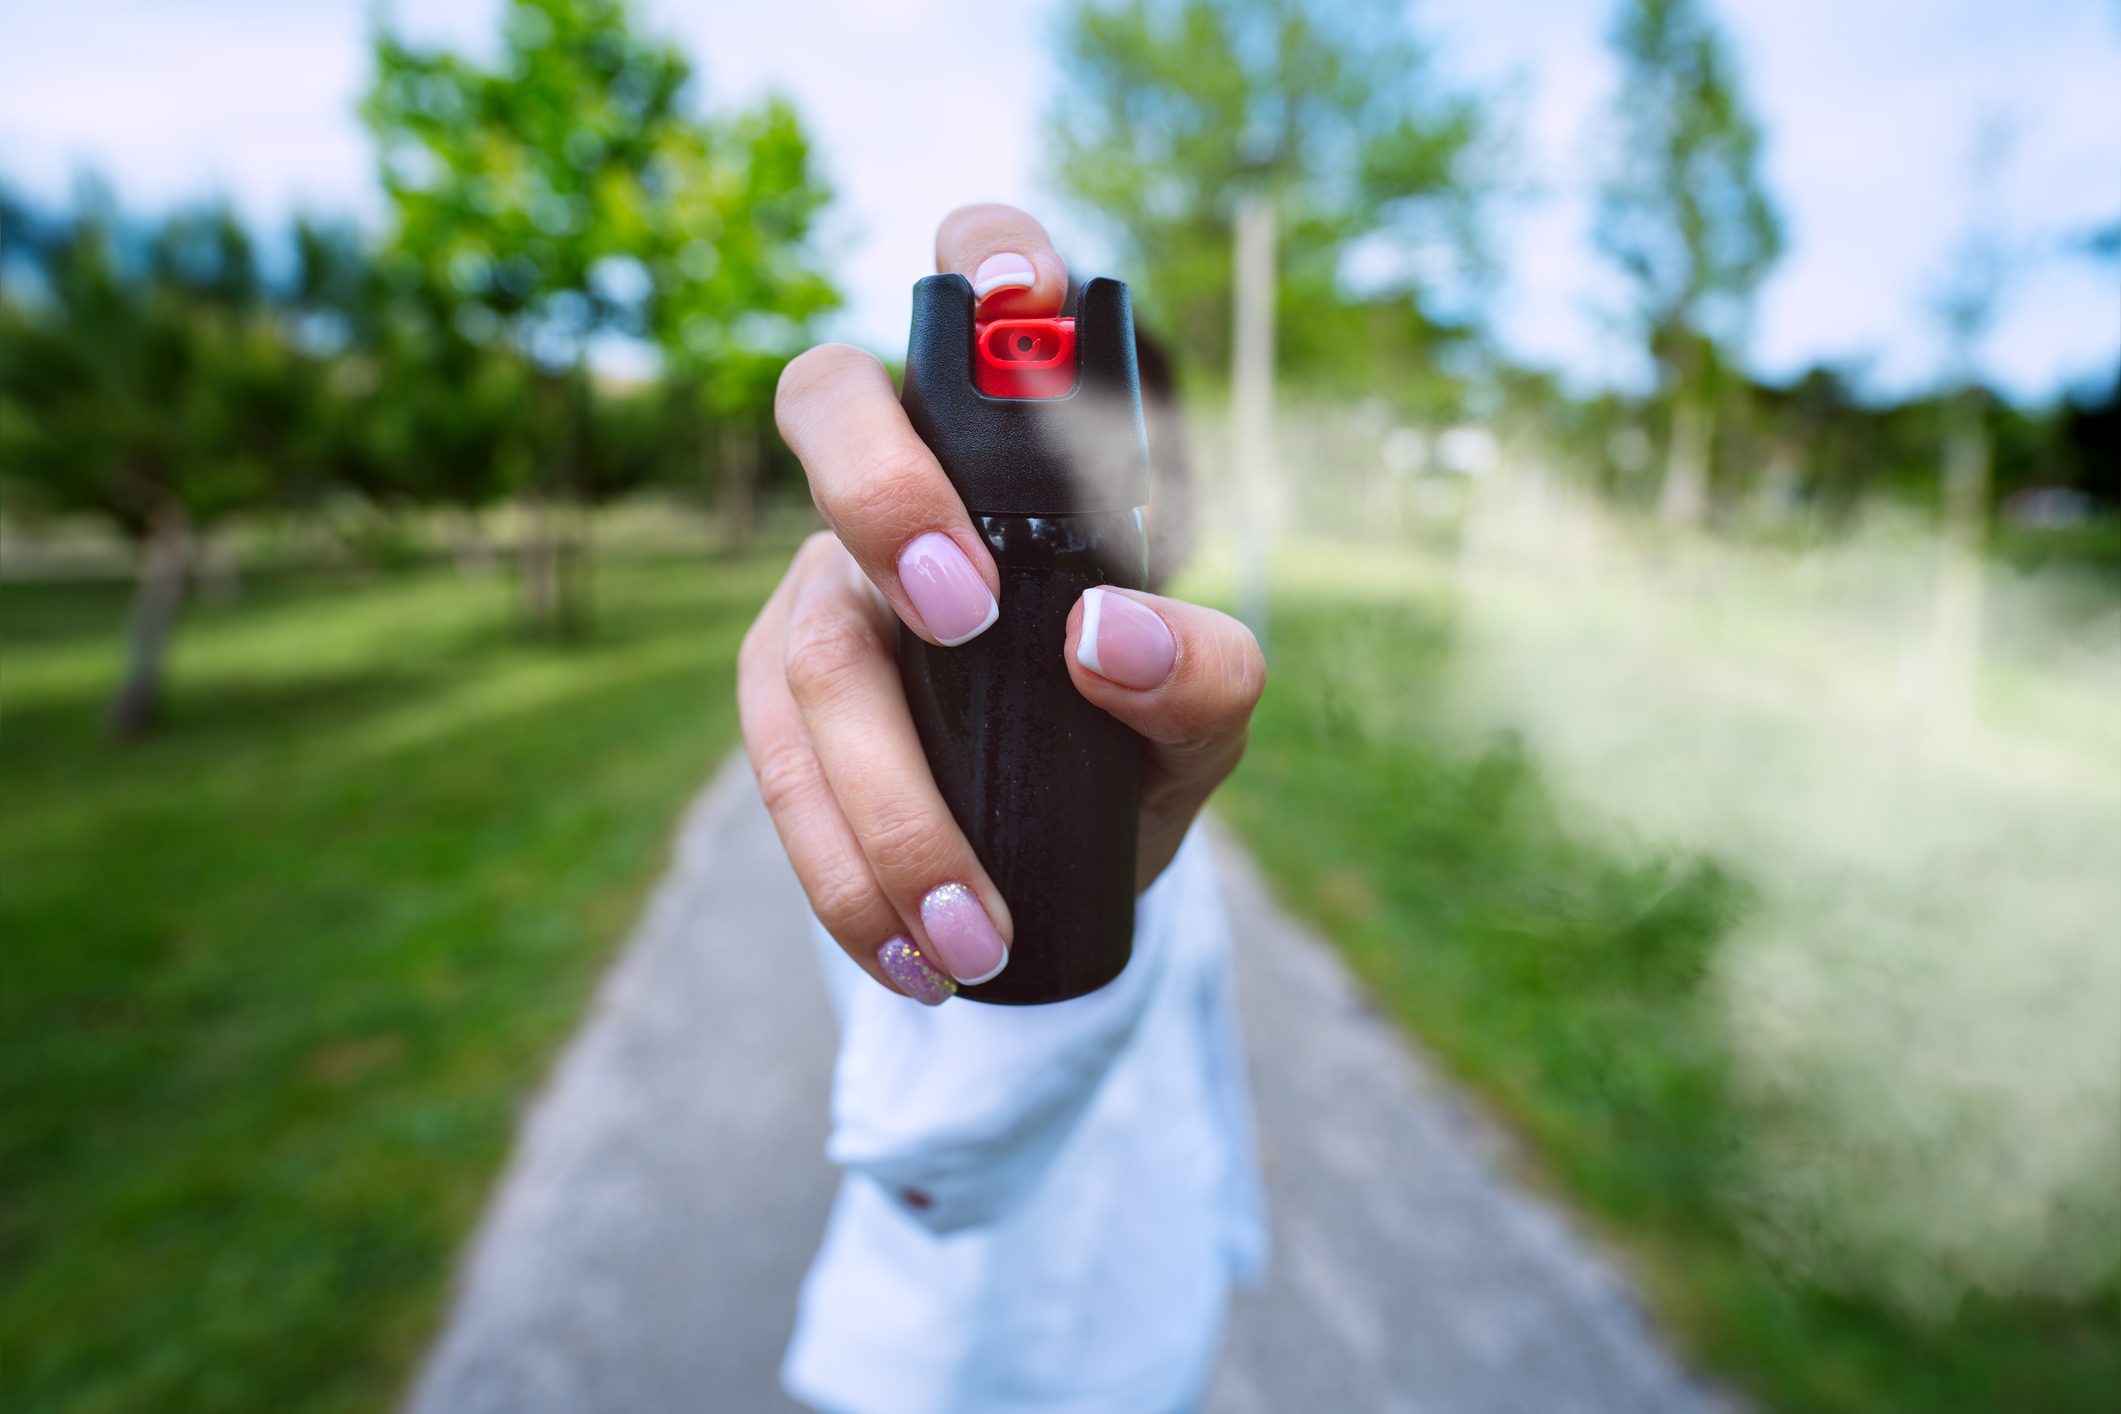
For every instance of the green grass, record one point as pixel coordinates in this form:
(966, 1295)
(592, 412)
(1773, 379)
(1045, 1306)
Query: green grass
(1562, 979)
(279, 980)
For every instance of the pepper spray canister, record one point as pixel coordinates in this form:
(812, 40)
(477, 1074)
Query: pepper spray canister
(1038, 423)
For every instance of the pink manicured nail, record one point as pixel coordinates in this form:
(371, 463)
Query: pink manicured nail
(962, 935)
(902, 963)
(1006, 271)
(1124, 640)
(952, 600)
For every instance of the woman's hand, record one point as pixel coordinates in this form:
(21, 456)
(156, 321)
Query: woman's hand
(826, 723)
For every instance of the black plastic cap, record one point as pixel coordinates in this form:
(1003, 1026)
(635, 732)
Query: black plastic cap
(1083, 452)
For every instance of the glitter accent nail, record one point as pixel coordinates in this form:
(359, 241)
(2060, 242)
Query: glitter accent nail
(902, 963)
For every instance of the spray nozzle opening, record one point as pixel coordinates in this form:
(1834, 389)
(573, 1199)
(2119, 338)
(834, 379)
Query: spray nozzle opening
(1024, 358)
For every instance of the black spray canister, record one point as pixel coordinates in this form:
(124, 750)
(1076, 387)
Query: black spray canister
(1039, 425)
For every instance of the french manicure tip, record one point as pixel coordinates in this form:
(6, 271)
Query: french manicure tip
(1003, 270)
(1086, 645)
(994, 611)
(1007, 280)
(986, 976)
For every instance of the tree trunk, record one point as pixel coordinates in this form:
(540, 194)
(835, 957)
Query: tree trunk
(737, 488)
(554, 566)
(539, 566)
(165, 571)
(1781, 483)
(470, 548)
(1684, 499)
(573, 564)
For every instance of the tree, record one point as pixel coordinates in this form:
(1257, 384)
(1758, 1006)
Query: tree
(525, 191)
(146, 378)
(1173, 112)
(431, 416)
(1685, 216)
(569, 193)
(737, 289)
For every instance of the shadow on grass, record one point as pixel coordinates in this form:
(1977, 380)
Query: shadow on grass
(280, 978)
(65, 733)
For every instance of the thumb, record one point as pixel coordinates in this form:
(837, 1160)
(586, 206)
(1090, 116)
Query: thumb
(1186, 678)
(1008, 257)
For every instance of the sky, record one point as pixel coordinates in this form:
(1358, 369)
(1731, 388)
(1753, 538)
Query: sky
(1872, 111)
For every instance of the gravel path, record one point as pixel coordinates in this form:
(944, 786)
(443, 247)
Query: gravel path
(643, 1249)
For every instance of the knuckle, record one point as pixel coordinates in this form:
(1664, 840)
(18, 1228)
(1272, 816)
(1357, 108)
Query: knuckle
(786, 773)
(1232, 673)
(843, 899)
(1225, 684)
(904, 840)
(812, 369)
(1194, 729)
(891, 482)
(819, 549)
(827, 646)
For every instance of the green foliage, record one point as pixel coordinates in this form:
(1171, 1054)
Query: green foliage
(736, 287)
(147, 375)
(568, 192)
(434, 418)
(281, 980)
(1169, 110)
(522, 189)
(2091, 441)
(1684, 213)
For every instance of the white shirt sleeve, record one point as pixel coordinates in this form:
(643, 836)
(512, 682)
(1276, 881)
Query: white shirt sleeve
(959, 1109)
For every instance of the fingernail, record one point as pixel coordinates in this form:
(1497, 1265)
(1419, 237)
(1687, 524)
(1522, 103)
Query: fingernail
(1124, 640)
(952, 600)
(1005, 271)
(902, 963)
(962, 935)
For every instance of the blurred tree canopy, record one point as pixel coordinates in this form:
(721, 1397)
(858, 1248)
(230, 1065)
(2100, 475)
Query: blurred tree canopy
(735, 290)
(566, 198)
(165, 376)
(152, 383)
(1685, 216)
(568, 192)
(1170, 110)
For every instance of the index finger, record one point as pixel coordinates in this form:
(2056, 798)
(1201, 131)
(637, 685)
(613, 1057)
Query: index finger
(885, 495)
(1008, 257)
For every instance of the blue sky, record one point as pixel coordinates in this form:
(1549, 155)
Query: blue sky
(1871, 108)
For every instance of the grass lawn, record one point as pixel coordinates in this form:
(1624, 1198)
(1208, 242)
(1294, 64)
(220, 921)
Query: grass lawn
(1563, 981)
(279, 980)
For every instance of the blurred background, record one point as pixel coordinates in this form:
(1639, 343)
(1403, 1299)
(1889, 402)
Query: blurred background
(1670, 449)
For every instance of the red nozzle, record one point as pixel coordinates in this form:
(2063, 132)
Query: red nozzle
(1024, 358)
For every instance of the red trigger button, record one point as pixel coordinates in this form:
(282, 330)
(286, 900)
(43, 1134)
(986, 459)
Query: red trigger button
(1024, 358)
